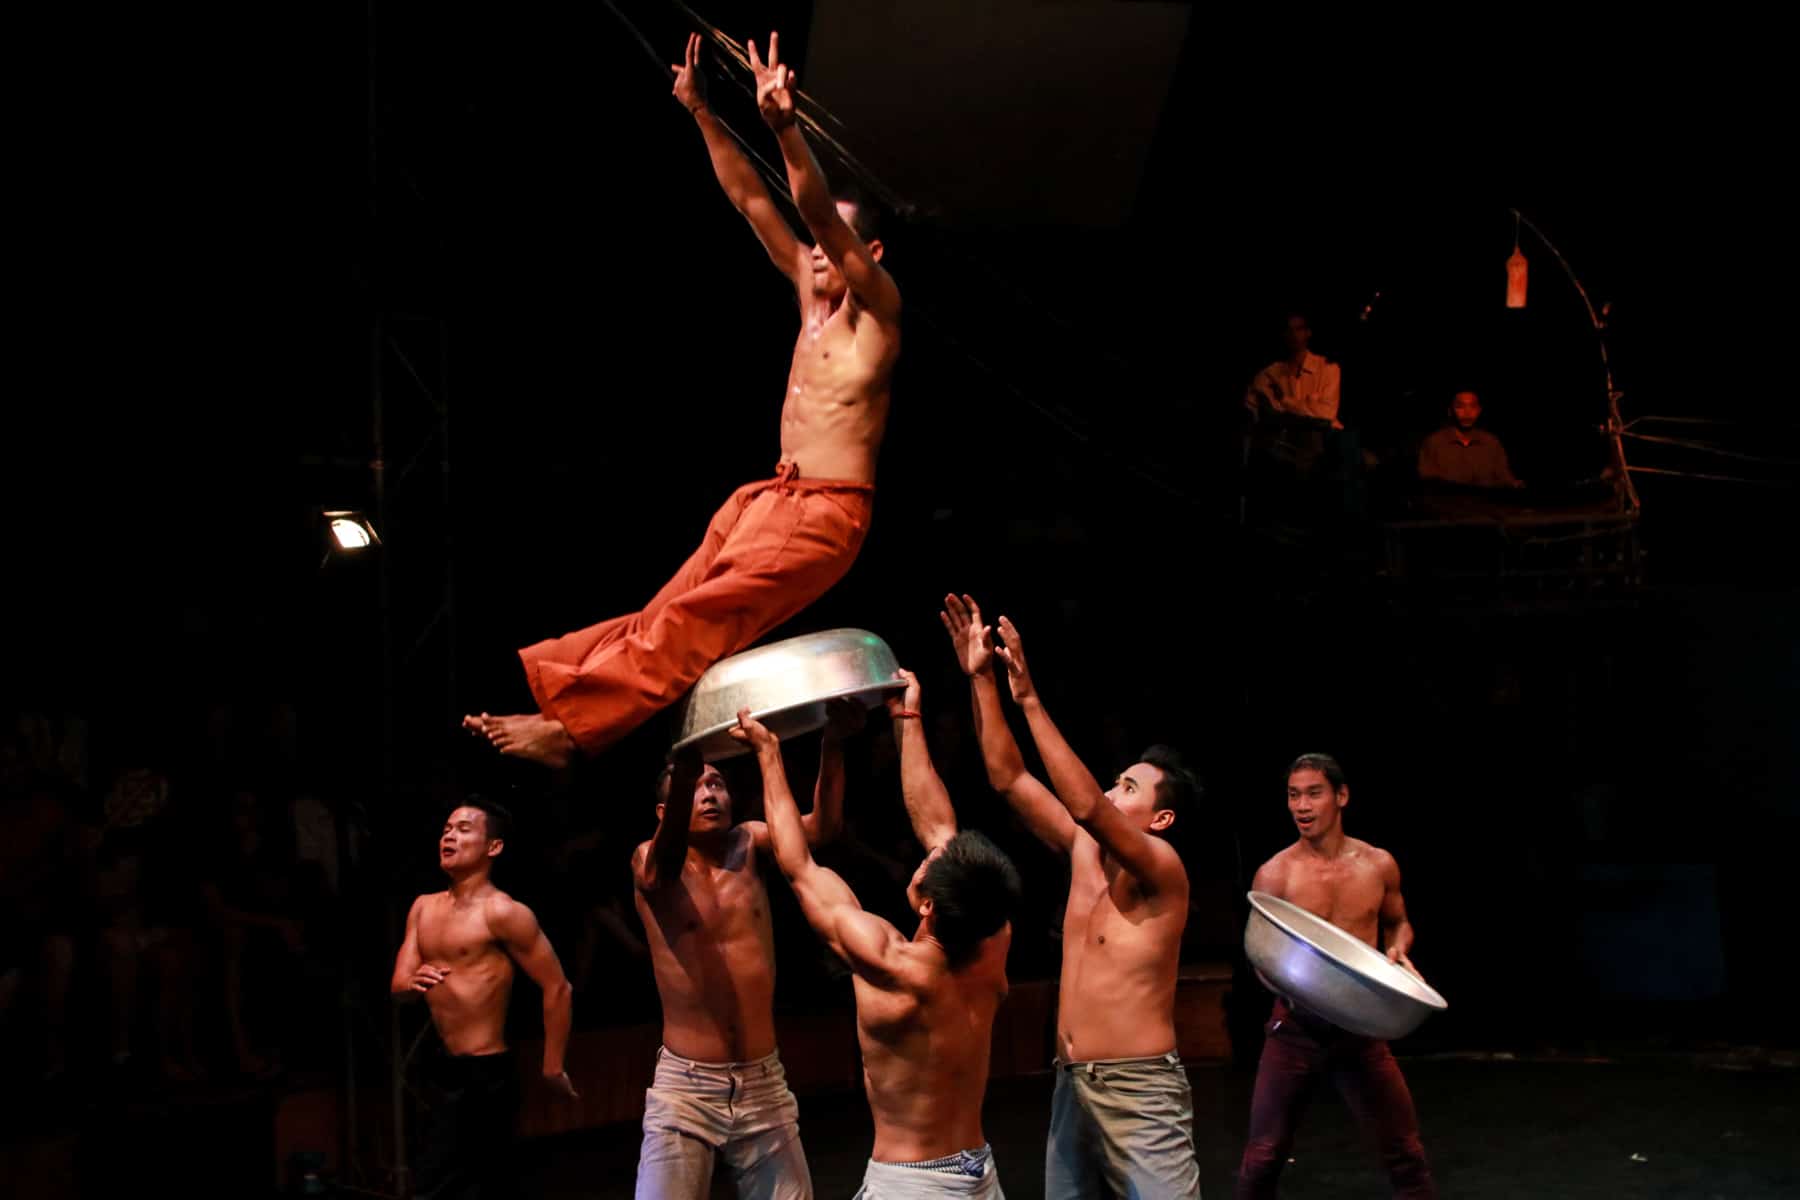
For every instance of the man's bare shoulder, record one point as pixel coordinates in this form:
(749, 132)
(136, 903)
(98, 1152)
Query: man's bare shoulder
(1169, 856)
(1274, 872)
(1373, 855)
(501, 909)
(919, 968)
(495, 900)
(1386, 865)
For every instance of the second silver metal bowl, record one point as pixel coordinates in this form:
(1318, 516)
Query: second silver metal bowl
(1329, 972)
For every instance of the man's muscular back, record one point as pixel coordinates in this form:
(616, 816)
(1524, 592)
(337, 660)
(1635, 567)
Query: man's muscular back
(713, 951)
(1347, 890)
(469, 1005)
(926, 1032)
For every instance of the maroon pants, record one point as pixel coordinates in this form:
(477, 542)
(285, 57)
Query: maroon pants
(1298, 1050)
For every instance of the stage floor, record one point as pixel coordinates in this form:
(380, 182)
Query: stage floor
(1492, 1129)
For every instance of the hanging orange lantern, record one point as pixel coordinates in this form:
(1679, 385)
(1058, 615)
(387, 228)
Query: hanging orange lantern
(1515, 272)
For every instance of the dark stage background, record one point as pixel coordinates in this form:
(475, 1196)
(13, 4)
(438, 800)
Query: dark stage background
(501, 211)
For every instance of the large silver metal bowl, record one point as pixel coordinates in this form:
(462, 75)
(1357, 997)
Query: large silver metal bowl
(1334, 974)
(785, 685)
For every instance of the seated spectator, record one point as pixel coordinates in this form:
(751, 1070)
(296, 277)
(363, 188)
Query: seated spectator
(141, 887)
(252, 895)
(1301, 384)
(40, 888)
(1460, 453)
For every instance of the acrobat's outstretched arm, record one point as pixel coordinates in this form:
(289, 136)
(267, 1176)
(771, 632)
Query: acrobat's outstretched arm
(737, 177)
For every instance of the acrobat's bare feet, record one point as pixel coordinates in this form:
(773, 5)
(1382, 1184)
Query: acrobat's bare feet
(531, 736)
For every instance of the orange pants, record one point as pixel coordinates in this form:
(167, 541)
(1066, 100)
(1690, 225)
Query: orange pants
(772, 549)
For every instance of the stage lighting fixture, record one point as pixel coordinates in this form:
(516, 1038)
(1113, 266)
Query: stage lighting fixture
(350, 532)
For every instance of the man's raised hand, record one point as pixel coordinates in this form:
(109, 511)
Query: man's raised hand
(961, 618)
(907, 703)
(1012, 652)
(690, 80)
(753, 732)
(774, 83)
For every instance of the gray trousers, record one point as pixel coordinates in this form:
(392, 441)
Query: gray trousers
(1122, 1127)
(696, 1113)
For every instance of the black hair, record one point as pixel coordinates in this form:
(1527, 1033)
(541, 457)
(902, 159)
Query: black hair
(868, 217)
(974, 890)
(1324, 764)
(494, 815)
(1180, 789)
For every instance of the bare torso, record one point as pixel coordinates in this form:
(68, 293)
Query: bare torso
(469, 1006)
(835, 410)
(1121, 954)
(1348, 890)
(713, 950)
(926, 1035)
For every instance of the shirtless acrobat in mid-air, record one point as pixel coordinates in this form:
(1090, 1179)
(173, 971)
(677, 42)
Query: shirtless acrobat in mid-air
(778, 544)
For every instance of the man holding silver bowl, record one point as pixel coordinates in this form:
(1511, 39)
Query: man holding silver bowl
(925, 1003)
(1356, 888)
(720, 1093)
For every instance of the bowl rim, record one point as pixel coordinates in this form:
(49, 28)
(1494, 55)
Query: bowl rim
(1435, 1001)
(890, 685)
(758, 651)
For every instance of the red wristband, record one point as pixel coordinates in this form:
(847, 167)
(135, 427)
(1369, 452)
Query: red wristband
(905, 712)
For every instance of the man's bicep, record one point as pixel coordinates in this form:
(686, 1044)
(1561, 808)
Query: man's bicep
(1393, 907)
(408, 960)
(821, 892)
(513, 923)
(537, 958)
(518, 929)
(1151, 860)
(866, 278)
(1042, 812)
(865, 941)
(778, 240)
